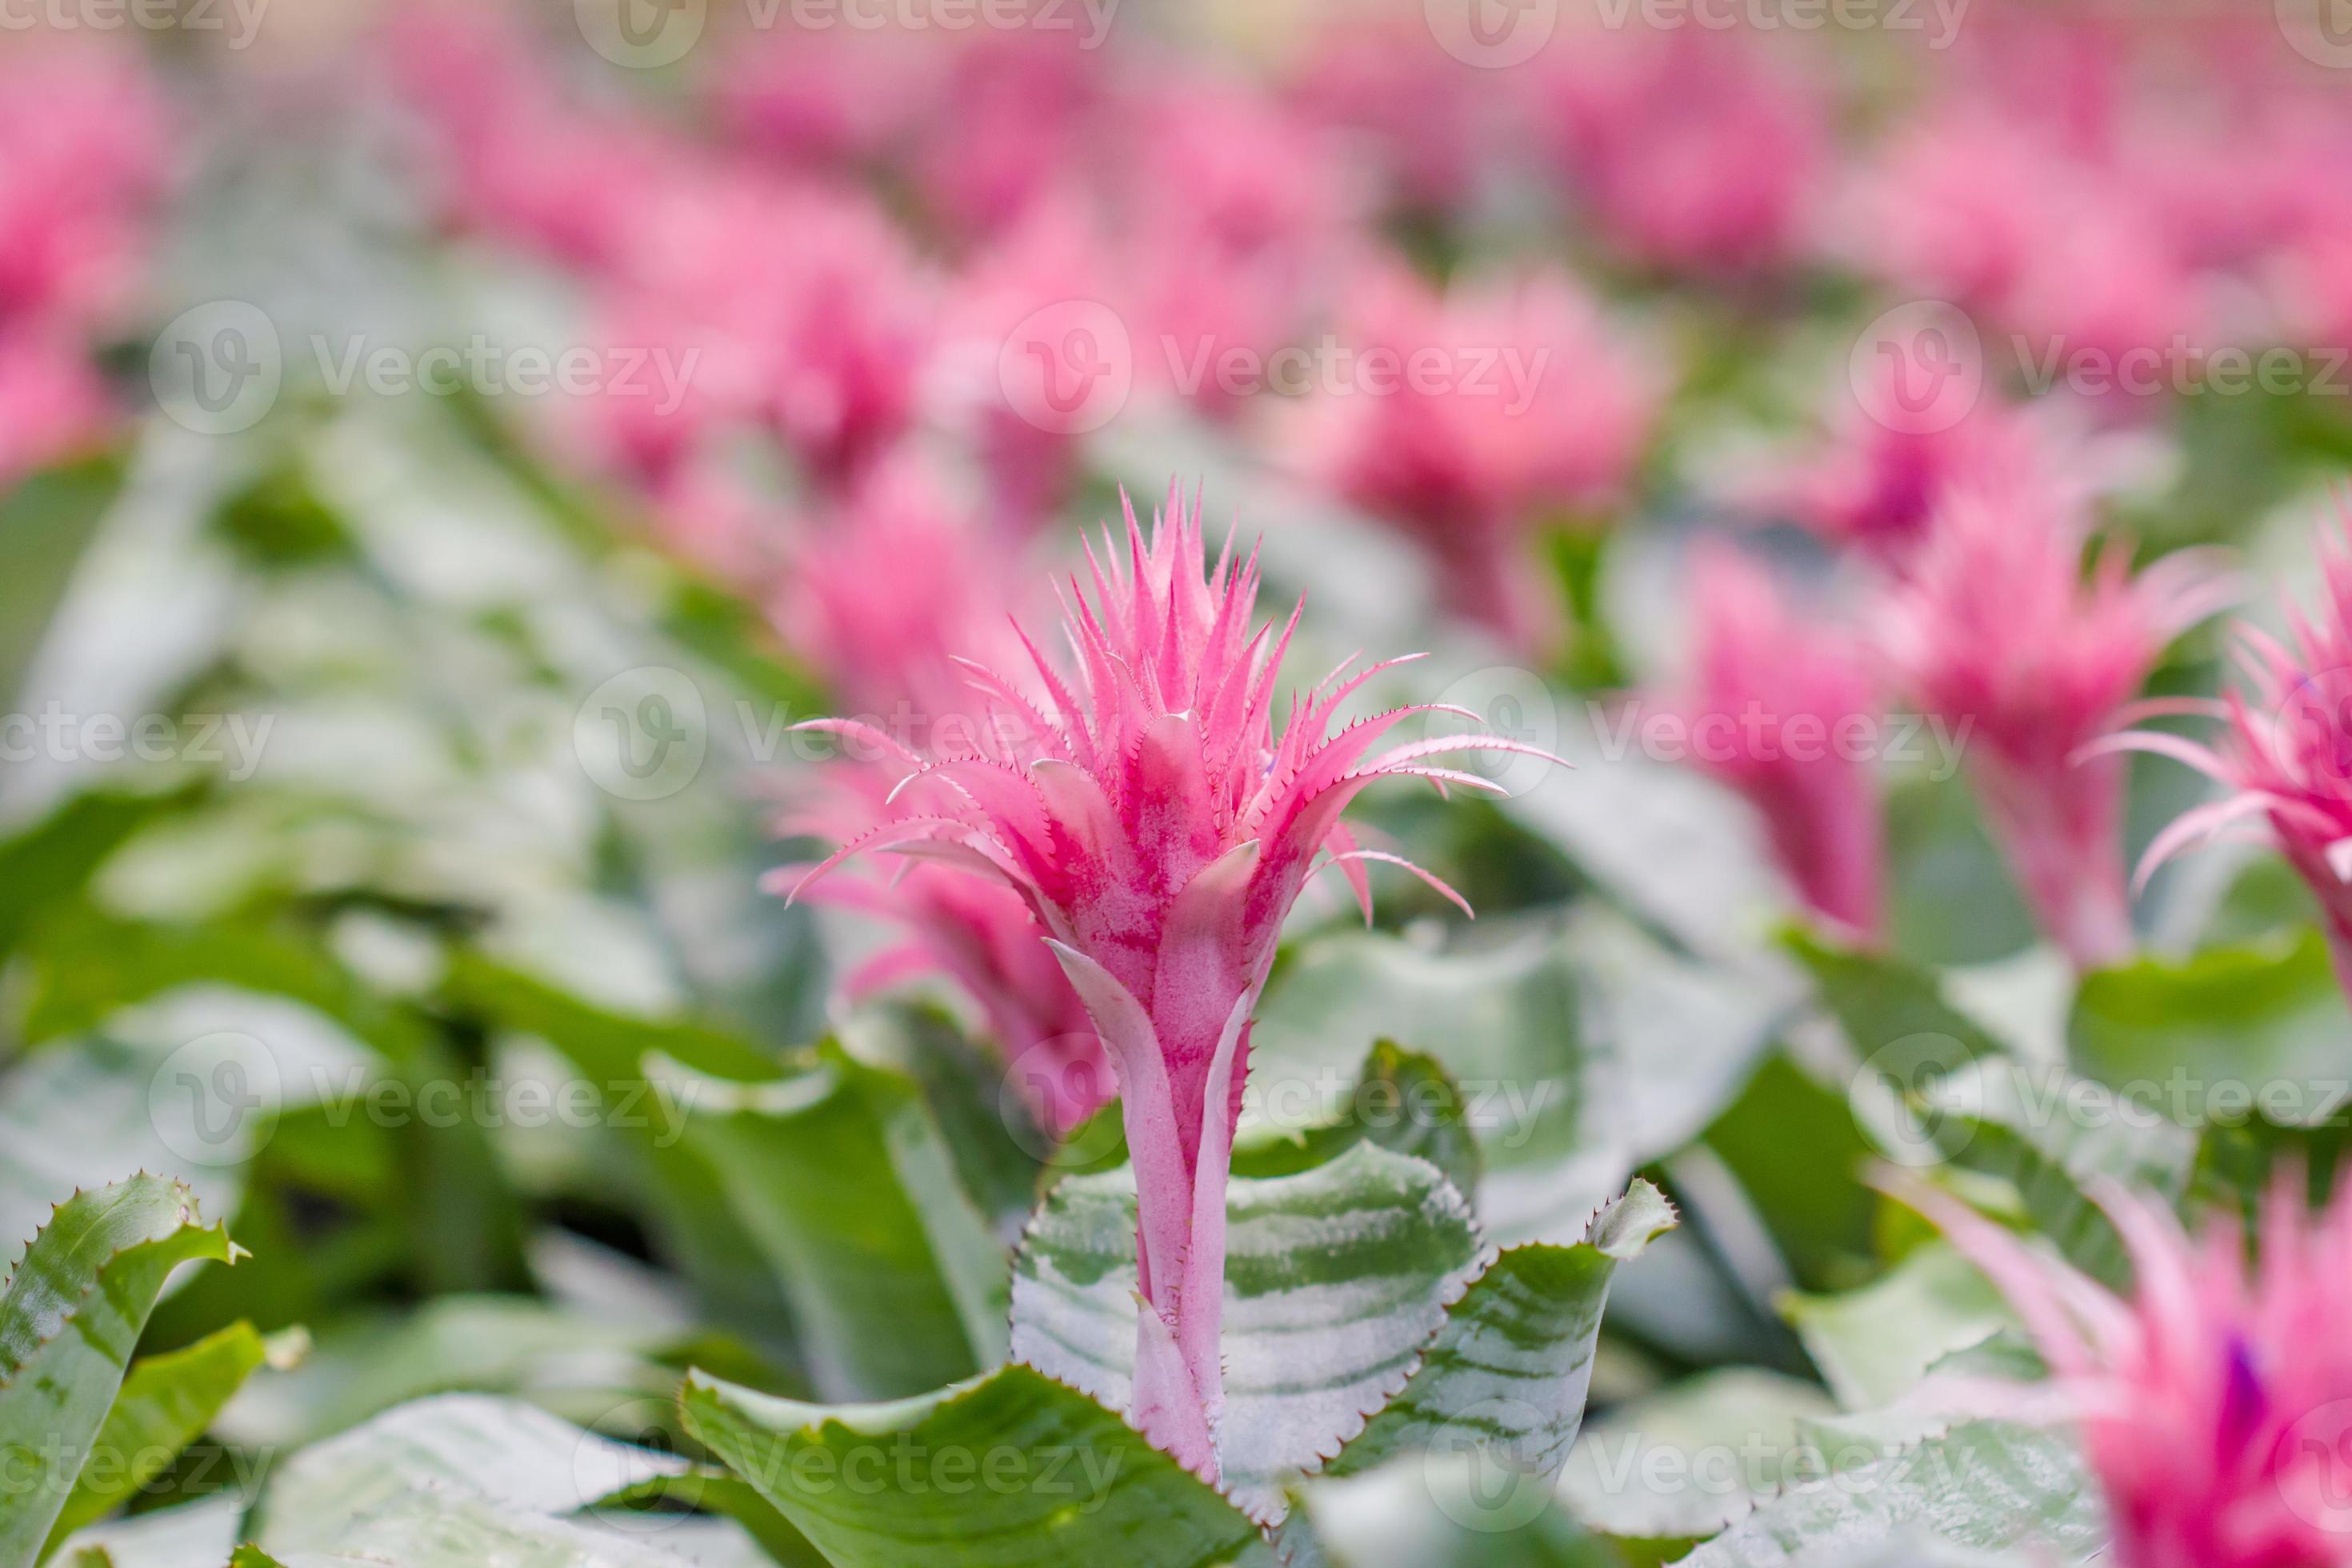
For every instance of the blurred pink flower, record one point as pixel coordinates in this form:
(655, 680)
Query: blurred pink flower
(1469, 419)
(1997, 630)
(882, 598)
(53, 406)
(2215, 1402)
(1774, 703)
(511, 155)
(1012, 117)
(1881, 476)
(1690, 148)
(1048, 264)
(806, 293)
(1982, 203)
(885, 591)
(1235, 210)
(839, 100)
(88, 153)
(2285, 755)
(1357, 73)
(1953, 204)
(1160, 832)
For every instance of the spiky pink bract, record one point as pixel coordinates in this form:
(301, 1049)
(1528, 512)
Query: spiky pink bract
(2285, 754)
(1998, 630)
(2214, 1405)
(881, 597)
(1470, 418)
(1159, 830)
(1774, 704)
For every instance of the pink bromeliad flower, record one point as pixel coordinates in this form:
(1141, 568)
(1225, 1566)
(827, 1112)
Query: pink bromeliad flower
(884, 593)
(1218, 283)
(978, 935)
(53, 405)
(813, 290)
(1997, 630)
(881, 598)
(88, 156)
(1880, 477)
(1159, 832)
(2285, 755)
(1024, 302)
(1475, 417)
(2216, 1403)
(1691, 150)
(1782, 707)
(507, 152)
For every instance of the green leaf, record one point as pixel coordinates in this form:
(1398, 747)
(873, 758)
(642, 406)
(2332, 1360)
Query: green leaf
(1011, 1470)
(2241, 1026)
(50, 860)
(87, 965)
(46, 519)
(694, 1222)
(76, 1117)
(1678, 851)
(843, 1181)
(1817, 1209)
(2239, 1163)
(1890, 1011)
(1404, 1102)
(1647, 1469)
(1511, 1365)
(1507, 1025)
(2049, 1136)
(69, 1320)
(1983, 1487)
(564, 1361)
(997, 1147)
(166, 1402)
(454, 1483)
(1335, 1280)
(202, 1532)
(1951, 898)
(1872, 1346)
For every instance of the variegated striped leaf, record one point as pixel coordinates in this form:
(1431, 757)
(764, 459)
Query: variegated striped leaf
(1336, 1278)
